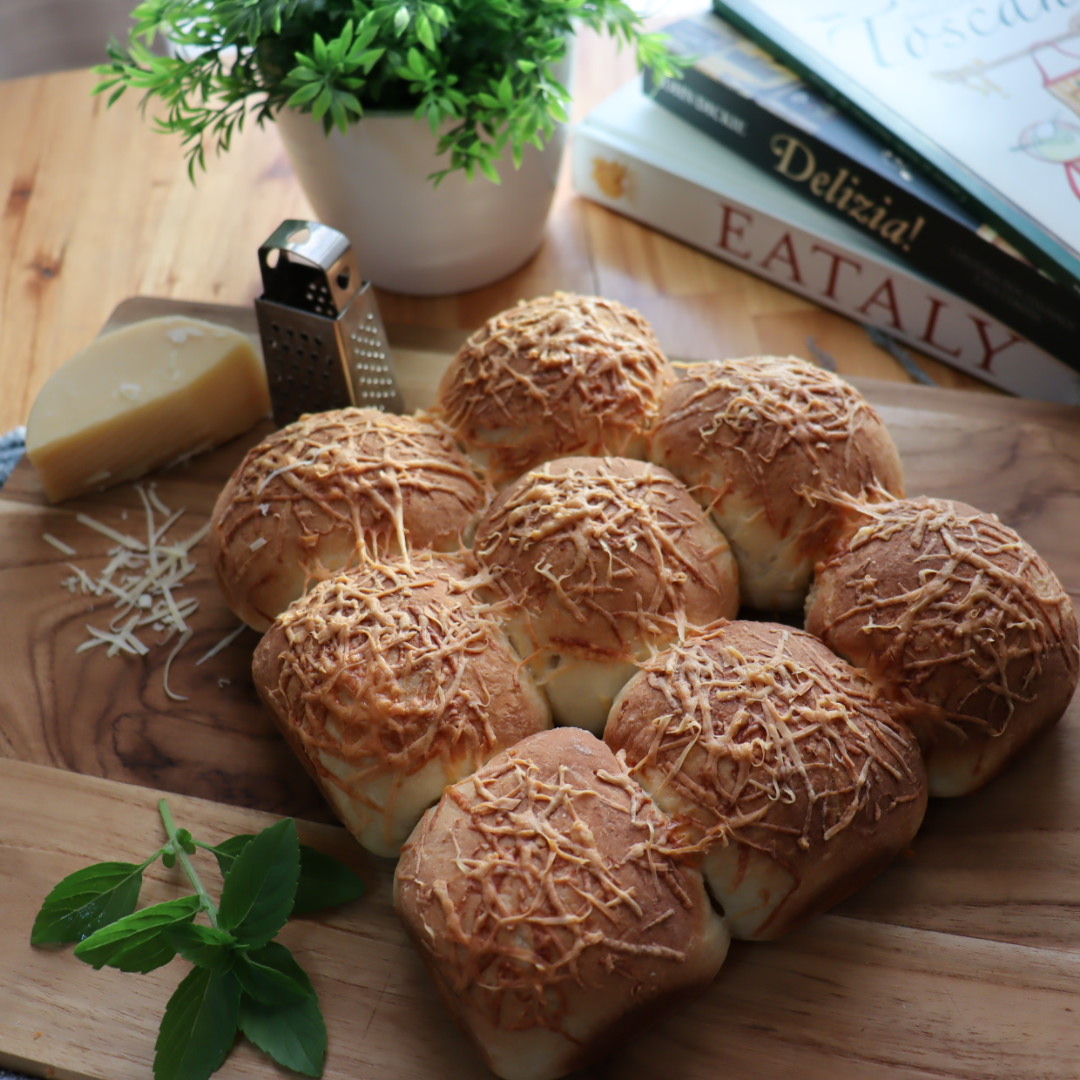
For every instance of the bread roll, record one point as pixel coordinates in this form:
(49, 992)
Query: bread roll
(765, 443)
(551, 377)
(544, 896)
(332, 489)
(391, 681)
(960, 622)
(779, 759)
(601, 561)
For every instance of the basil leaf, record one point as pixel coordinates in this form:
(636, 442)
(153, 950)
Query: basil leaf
(87, 900)
(199, 1026)
(137, 942)
(324, 881)
(271, 976)
(260, 887)
(203, 946)
(292, 1032)
(227, 851)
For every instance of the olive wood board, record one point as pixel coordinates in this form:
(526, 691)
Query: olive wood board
(962, 960)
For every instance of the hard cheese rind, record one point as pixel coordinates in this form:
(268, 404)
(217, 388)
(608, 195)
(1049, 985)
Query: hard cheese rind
(142, 397)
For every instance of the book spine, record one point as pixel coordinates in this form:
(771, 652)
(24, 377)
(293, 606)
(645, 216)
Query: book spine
(1027, 236)
(609, 171)
(937, 245)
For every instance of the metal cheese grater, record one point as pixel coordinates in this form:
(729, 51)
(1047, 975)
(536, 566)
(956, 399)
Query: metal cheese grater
(323, 341)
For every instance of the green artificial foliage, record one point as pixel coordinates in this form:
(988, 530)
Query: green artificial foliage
(481, 73)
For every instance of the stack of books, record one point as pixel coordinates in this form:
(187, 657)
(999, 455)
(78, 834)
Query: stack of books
(811, 181)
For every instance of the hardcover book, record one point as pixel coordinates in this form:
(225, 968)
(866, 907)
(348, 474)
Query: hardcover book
(739, 94)
(984, 97)
(634, 156)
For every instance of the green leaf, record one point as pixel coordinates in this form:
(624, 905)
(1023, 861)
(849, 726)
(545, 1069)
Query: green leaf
(417, 66)
(322, 103)
(271, 976)
(368, 59)
(305, 94)
(324, 881)
(203, 946)
(138, 942)
(227, 851)
(260, 888)
(339, 115)
(292, 1032)
(489, 170)
(87, 900)
(199, 1026)
(424, 32)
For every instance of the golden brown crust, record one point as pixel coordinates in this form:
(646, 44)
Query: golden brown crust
(780, 761)
(609, 556)
(766, 443)
(960, 622)
(554, 376)
(328, 491)
(544, 894)
(390, 674)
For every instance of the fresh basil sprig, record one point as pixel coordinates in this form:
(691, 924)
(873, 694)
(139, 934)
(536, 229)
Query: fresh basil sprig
(242, 980)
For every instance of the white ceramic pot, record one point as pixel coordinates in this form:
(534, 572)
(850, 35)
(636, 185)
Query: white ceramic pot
(408, 235)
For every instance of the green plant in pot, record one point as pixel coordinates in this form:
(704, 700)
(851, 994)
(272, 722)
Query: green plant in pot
(472, 93)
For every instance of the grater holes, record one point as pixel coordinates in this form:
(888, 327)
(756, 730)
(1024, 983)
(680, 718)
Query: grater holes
(317, 297)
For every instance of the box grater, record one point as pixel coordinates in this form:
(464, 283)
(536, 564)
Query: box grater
(323, 341)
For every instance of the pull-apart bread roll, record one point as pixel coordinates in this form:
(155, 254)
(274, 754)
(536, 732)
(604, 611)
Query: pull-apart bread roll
(779, 761)
(544, 897)
(330, 490)
(391, 681)
(555, 376)
(601, 561)
(765, 443)
(960, 622)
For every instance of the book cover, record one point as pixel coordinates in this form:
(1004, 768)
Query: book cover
(984, 97)
(739, 94)
(636, 157)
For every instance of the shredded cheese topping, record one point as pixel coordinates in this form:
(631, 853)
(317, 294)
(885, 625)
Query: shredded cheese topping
(606, 554)
(541, 877)
(555, 376)
(396, 664)
(780, 430)
(335, 488)
(950, 607)
(756, 733)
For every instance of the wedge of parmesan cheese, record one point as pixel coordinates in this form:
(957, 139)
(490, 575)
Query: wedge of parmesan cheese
(141, 397)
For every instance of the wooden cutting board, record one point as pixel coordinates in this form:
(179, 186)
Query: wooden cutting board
(962, 960)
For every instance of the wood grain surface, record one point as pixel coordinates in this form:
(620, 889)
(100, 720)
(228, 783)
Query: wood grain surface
(843, 998)
(962, 960)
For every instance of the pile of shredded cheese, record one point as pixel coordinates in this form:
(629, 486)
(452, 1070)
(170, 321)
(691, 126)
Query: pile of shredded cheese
(144, 577)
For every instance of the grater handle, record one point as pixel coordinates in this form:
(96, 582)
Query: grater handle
(309, 266)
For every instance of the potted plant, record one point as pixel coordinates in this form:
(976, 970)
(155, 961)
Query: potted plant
(442, 113)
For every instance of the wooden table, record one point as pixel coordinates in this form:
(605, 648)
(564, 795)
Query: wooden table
(961, 961)
(98, 208)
